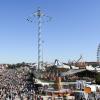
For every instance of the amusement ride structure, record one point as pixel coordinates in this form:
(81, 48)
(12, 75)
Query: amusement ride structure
(98, 54)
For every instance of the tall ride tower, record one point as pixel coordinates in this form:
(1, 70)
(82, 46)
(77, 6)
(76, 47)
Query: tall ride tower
(39, 14)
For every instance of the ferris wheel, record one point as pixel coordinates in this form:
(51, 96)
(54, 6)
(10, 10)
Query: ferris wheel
(98, 54)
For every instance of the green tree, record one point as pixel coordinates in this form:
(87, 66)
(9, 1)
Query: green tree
(98, 78)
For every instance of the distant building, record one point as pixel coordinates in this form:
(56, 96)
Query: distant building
(80, 74)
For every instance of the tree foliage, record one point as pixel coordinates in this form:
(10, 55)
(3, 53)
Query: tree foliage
(98, 78)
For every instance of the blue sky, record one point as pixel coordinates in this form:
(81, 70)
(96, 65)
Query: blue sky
(73, 30)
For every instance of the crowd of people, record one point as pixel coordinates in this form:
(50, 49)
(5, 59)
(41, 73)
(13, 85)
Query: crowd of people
(14, 85)
(13, 94)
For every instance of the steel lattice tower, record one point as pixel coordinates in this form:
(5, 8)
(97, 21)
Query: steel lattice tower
(39, 15)
(98, 54)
